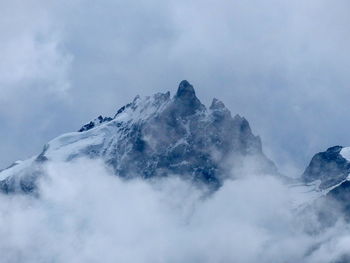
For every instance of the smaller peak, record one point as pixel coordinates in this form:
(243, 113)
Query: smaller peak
(242, 122)
(185, 90)
(136, 98)
(217, 105)
(162, 96)
(335, 149)
(219, 111)
(238, 118)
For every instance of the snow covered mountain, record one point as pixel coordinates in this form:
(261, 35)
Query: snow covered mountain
(155, 136)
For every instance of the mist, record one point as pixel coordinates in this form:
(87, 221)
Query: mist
(85, 214)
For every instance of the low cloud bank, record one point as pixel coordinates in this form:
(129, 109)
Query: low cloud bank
(84, 214)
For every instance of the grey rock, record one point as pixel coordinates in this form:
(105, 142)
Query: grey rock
(330, 167)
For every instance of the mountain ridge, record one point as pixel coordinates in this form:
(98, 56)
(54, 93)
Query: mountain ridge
(157, 135)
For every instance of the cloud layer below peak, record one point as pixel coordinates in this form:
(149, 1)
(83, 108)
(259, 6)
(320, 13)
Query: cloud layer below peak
(85, 214)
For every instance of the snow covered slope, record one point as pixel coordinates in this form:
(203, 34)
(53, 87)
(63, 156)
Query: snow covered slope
(155, 136)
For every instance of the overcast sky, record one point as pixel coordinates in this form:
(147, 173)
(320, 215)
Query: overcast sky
(284, 65)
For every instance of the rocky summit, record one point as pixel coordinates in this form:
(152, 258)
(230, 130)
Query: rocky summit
(329, 168)
(330, 171)
(155, 136)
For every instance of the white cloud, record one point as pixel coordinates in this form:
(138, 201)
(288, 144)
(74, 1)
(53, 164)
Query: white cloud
(86, 215)
(31, 56)
(34, 77)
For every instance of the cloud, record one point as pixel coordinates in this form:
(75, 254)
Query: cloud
(84, 214)
(34, 78)
(31, 55)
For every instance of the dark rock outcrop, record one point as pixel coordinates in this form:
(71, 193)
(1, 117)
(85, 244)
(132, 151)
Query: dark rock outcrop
(330, 167)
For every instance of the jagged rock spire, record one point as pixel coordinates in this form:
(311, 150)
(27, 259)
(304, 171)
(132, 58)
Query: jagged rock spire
(185, 90)
(186, 99)
(217, 105)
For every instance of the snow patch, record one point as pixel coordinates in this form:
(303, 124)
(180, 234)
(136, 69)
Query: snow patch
(345, 152)
(16, 168)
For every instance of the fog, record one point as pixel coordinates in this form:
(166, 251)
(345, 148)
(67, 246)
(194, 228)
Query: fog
(84, 214)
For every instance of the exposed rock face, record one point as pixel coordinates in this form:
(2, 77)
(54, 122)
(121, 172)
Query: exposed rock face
(341, 194)
(96, 122)
(157, 136)
(330, 167)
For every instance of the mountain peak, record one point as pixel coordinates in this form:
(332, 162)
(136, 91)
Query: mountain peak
(217, 105)
(335, 149)
(186, 100)
(329, 167)
(185, 90)
(154, 136)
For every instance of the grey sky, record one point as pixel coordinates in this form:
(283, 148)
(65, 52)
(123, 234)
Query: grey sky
(284, 65)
